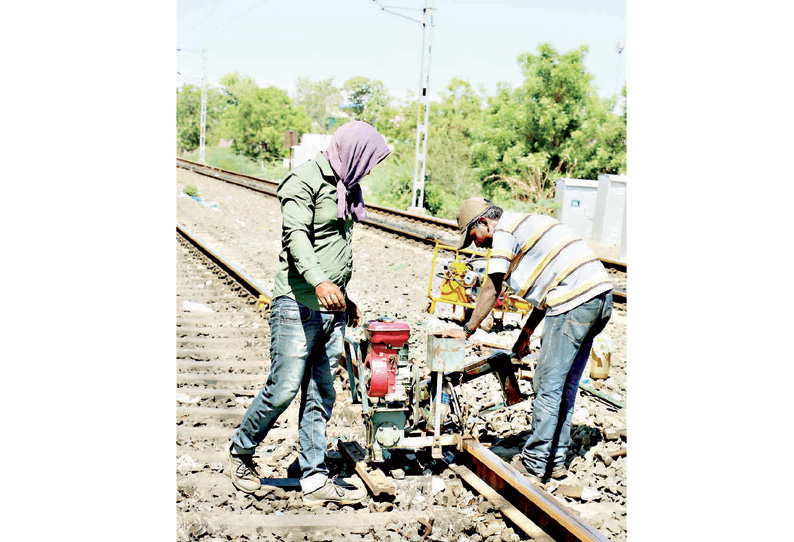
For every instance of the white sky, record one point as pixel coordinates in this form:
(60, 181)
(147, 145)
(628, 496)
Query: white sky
(276, 42)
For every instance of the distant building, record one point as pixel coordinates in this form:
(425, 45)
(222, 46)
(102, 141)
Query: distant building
(309, 146)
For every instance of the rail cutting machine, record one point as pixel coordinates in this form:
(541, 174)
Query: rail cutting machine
(403, 409)
(461, 279)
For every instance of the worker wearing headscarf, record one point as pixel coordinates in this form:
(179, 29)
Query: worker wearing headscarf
(320, 201)
(355, 148)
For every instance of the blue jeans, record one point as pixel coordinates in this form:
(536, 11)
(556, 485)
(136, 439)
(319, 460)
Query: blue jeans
(305, 348)
(565, 347)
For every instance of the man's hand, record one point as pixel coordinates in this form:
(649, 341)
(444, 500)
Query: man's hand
(521, 347)
(330, 296)
(454, 332)
(352, 314)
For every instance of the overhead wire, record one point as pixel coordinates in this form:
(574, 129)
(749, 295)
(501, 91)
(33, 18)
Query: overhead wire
(234, 18)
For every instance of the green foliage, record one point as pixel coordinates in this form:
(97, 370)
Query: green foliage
(552, 125)
(260, 120)
(450, 178)
(390, 182)
(188, 111)
(598, 145)
(511, 146)
(322, 102)
(236, 87)
(221, 102)
(226, 158)
(188, 116)
(191, 190)
(368, 100)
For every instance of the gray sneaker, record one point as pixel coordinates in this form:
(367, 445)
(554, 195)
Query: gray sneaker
(558, 472)
(243, 472)
(332, 492)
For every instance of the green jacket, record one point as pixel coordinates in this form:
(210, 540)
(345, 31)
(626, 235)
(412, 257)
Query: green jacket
(316, 246)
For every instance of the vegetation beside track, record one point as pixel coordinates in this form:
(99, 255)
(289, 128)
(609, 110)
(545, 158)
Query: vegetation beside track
(510, 147)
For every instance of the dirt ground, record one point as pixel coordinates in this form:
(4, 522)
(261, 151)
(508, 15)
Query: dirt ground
(390, 278)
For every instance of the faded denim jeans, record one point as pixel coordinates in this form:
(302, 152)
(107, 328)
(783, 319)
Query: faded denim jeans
(565, 348)
(305, 348)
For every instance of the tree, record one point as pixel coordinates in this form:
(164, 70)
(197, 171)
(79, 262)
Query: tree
(450, 178)
(553, 124)
(260, 120)
(188, 116)
(321, 100)
(234, 88)
(599, 144)
(368, 100)
(188, 111)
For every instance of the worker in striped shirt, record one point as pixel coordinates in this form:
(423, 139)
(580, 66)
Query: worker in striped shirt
(543, 261)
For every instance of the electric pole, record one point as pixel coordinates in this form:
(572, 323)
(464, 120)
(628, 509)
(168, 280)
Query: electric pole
(423, 109)
(619, 48)
(203, 117)
(423, 113)
(202, 138)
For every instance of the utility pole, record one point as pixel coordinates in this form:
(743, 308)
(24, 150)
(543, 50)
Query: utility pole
(203, 117)
(202, 138)
(423, 113)
(619, 48)
(423, 109)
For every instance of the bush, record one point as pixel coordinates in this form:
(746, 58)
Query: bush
(191, 191)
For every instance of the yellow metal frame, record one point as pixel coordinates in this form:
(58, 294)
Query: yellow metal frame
(455, 294)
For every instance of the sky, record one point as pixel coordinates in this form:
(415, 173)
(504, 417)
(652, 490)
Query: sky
(276, 42)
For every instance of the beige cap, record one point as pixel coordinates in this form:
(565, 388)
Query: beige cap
(470, 211)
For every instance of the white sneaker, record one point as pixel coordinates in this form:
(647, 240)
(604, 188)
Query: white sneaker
(242, 471)
(332, 492)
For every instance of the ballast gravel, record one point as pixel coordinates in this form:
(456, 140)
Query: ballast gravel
(390, 278)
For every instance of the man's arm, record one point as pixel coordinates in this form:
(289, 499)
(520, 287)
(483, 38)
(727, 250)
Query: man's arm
(297, 211)
(485, 302)
(521, 346)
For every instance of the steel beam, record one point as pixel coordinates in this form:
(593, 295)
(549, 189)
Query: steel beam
(558, 521)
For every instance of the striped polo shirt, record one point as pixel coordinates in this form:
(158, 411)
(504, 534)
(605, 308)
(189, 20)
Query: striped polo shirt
(546, 263)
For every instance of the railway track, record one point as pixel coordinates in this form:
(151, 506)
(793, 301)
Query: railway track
(420, 228)
(222, 339)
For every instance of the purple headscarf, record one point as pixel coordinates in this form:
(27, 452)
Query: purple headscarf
(355, 148)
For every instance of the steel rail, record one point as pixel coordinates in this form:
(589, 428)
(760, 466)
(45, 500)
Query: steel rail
(430, 220)
(263, 296)
(614, 264)
(269, 187)
(619, 296)
(421, 238)
(524, 503)
(539, 506)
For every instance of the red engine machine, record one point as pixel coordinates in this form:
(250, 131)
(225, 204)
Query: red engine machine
(402, 409)
(385, 339)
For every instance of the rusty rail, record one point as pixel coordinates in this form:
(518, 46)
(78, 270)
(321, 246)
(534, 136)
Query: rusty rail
(263, 295)
(540, 507)
(528, 506)
(222, 173)
(268, 187)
